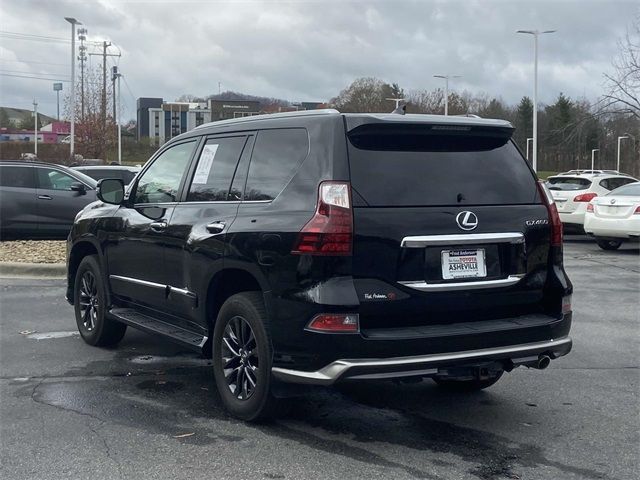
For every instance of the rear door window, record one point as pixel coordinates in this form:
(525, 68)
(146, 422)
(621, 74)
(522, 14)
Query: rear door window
(568, 183)
(277, 154)
(424, 166)
(17, 177)
(215, 169)
(616, 182)
(51, 179)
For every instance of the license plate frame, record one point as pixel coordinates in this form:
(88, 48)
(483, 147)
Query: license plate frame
(463, 263)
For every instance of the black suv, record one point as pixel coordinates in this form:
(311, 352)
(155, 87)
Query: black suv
(318, 247)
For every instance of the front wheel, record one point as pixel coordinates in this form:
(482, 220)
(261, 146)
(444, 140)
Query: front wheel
(89, 302)
(242, 354)
(473, 385)
(609, 244)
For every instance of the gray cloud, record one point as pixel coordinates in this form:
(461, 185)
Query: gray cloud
(309, 50)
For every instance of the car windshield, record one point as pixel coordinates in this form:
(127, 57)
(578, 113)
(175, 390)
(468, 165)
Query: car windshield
(631, 190)
(568, 183)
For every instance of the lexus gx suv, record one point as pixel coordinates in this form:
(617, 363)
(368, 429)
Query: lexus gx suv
(319, 247)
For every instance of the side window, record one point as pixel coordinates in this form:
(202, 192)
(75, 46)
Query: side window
(215, 169)
(127, 176)
(276, 157)
(618, 182)
(50, 179)
(162, 179)
(17, 177)
(605, 184)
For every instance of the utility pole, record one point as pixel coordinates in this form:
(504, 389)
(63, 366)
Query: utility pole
(105, 44)
(119, 124)
(73, 23)
(82, 58)
(35, 128)
(114, 77)
(593, 154)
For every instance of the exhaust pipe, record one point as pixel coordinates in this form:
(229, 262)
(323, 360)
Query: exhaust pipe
(543, 362)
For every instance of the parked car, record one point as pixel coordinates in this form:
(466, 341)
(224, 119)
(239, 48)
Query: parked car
(572, 193)
(318, 247)
(98, 172)
(615, 217)
(41, 199)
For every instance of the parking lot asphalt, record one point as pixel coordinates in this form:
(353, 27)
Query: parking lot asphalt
(147, 409)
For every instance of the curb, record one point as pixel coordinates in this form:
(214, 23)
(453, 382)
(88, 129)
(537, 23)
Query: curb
(32, 270)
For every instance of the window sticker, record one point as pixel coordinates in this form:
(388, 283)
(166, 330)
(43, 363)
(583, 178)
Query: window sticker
(204, 164)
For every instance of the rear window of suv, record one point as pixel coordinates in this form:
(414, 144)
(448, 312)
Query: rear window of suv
(424, 166)
(568, 183)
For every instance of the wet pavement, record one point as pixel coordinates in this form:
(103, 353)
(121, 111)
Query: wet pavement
(148, 409)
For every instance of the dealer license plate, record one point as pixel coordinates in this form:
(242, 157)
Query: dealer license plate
(463, 264)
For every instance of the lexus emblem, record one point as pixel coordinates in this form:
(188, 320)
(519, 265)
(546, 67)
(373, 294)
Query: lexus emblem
(467, 220)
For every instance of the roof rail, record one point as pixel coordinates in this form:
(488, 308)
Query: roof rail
(264, 116)
(468, 115)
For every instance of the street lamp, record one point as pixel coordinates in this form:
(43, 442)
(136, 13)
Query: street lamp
(73, 23)
(626, 135)
(593, 152)
(446, 90)
(535, 34)
(528, 140)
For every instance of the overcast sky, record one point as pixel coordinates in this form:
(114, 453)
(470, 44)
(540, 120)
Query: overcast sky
(308, 50)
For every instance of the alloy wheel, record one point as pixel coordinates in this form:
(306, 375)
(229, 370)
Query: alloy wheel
(88, 301)
(240, 358)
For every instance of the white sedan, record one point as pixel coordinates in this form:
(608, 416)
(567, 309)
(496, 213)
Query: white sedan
(573, 192)
(615, 217)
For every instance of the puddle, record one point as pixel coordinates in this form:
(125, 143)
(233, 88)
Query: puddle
(50, 335)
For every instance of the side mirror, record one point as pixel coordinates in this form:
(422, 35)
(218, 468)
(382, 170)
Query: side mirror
(110, 190)
(78, 187)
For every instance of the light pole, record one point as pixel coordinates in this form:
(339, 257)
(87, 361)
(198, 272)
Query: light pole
(446, 90)
(73, 23)
(35, 128)
(528, 140)
(593, 152)
(535, 34)
(626, 135)
(117, 119)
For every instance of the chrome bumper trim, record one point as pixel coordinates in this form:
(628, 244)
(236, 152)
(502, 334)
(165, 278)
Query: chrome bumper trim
(422, 241)
(443, 287)
(402, 366)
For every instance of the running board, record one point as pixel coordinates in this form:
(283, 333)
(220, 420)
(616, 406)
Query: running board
(152, 325)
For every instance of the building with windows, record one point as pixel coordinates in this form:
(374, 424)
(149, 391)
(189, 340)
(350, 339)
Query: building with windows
(161, 121)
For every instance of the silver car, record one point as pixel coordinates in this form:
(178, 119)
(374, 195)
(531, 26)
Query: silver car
(41, 200)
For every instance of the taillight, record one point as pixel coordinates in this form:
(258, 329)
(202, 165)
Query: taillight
(585, 197)
(335, 323)
(554, 217)
(637, 211)
(566, 304)
(330, 230)
(590, 208)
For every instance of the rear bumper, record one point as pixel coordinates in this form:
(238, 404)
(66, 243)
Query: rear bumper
(422, 365)
(573, 218)
(612, 227)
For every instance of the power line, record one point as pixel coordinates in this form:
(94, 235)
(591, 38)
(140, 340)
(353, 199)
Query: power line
(35, 63)
(35, 73)
(37, 38)
(34, 78)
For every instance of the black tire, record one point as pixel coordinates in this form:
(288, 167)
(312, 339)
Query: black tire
(609, 244)
(247, 402)
(89, 302)
(466, 386)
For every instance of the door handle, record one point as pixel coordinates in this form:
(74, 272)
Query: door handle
(216, 227)
(158, 226)
(44, 197)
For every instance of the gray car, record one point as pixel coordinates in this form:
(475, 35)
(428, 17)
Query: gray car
(99, 172)
(41, 199)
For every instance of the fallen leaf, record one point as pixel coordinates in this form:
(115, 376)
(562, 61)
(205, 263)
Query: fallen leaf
(184, 435)
(27, 332)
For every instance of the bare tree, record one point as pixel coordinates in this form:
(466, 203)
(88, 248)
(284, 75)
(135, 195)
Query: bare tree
(624, 83)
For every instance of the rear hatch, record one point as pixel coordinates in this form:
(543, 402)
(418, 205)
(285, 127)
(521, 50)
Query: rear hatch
(565, 188)
(449, 225)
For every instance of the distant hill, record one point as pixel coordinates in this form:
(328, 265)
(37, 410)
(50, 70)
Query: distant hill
(15, 116)
(246, 97)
